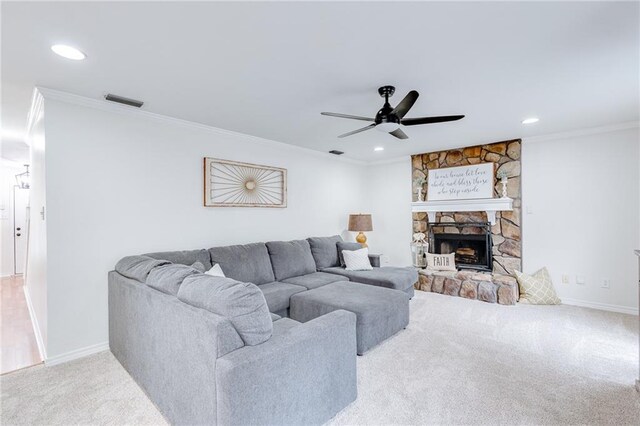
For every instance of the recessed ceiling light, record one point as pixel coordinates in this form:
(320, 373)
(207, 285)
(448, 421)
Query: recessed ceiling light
(68, 52)
(378, 148)
(530, 120)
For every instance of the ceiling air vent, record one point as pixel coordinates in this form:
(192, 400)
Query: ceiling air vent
(123, 100)
(336, 152)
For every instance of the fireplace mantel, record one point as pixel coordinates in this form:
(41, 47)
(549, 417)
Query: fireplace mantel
(488, 205)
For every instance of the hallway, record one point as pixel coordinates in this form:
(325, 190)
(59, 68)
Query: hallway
(18, 346)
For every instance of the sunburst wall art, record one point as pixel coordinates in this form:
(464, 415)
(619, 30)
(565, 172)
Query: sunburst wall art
(234, 184)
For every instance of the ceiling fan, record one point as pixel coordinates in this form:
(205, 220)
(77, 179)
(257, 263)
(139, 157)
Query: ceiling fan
(389, 119)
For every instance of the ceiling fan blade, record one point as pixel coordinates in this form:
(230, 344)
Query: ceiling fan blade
(398, 133)
(370, 126)
(430, 120)
(353, 117)
(405, 105)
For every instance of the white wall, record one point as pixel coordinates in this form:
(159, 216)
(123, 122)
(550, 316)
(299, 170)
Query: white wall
(390, 197)
(121, 184)
(581, 214)
(8, 171)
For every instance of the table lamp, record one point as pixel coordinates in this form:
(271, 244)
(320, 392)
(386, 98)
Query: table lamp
(360, 223)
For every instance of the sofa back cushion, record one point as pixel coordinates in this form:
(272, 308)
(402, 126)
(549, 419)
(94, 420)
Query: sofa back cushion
(242, 303)
(291, 258)
(138, 267)
(184, 257)
(247, 263)
(324, 251)
(168, 278)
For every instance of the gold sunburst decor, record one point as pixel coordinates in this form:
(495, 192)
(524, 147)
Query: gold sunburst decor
(235, 184)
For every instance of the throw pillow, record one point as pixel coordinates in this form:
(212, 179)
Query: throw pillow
(441, 262)
(215, 271)
(357, 260)
(537, 289)
(342, 246)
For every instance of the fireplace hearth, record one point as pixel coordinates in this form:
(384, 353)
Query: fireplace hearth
(471, 243)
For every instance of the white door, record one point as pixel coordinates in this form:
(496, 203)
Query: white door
(20, 218)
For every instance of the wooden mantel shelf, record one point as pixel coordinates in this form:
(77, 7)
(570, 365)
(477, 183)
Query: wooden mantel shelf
(488, 205)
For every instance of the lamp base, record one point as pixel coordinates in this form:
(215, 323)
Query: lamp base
(362, 239)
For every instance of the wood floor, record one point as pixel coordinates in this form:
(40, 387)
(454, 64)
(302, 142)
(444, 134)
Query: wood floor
(18, 347)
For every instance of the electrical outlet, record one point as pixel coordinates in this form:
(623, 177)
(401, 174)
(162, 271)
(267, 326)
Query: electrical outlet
(580, 280)
(606, 283)
(566, 279)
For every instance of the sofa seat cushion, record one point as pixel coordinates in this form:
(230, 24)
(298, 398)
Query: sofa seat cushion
(380, 312)
(168, 278)
(242, 303)
(184, 257)
(325, 251)
(389, 276)
(248, 263)
(315, 280)
(277, 294)
(290, 258)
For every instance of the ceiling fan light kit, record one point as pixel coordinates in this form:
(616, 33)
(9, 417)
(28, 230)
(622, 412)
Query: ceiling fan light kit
(389, 119)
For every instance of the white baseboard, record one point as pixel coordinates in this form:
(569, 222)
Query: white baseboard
(34, 323)
(75, 354)
(601, 306)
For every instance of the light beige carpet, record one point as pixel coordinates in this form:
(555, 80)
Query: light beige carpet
(458, 362)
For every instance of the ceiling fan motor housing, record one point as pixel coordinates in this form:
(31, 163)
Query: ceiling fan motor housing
(385, 115)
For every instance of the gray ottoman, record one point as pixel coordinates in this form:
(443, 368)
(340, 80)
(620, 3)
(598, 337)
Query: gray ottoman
(380, 312)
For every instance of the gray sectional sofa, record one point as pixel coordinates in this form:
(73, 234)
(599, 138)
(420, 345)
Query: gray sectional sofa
(274, 342)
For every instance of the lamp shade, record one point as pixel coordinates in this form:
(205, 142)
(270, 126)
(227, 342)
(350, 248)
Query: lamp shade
(360, 222)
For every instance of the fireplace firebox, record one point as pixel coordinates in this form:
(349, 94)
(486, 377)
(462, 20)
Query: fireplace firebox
(471, 243)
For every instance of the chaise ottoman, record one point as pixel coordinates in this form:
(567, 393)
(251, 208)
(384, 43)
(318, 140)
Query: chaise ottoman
(380, 312)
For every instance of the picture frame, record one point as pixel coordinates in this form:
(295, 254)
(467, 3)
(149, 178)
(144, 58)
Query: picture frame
(237, 184)
(470, 182)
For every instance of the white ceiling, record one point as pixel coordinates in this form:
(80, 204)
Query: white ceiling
(268, 69)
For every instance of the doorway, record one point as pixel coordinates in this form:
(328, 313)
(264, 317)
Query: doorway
(18, 344)
(20, 228)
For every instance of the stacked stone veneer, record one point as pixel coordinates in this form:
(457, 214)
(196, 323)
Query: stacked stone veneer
(492, 288)
(506, 235)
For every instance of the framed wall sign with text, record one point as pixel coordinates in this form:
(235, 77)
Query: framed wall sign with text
(461, 183)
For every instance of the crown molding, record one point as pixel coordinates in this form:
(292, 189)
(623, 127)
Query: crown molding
(584, 132)
(101, 104)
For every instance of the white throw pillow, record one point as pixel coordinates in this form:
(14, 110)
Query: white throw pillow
(441, 262)
(357, 260)
(216, 271)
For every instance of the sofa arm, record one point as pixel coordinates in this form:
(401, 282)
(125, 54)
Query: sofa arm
(302, 376)
(375, 260)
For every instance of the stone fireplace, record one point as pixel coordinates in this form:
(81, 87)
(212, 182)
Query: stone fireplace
(484, 234)
(505, 232)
